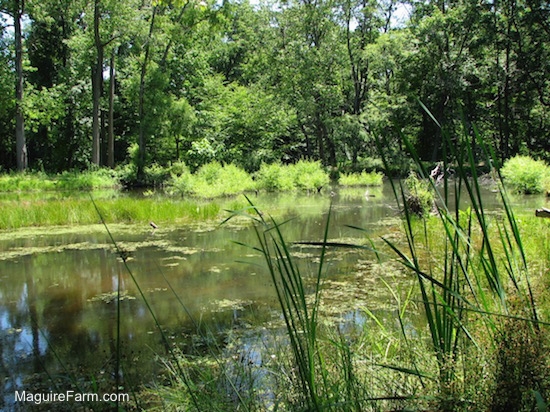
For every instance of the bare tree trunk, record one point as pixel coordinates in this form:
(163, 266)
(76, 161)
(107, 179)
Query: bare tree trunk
(97, 82)
(142, 141)
(21, 145)
(111, 131)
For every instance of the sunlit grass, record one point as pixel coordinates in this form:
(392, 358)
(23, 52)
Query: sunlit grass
(66, 181)
(17, 214)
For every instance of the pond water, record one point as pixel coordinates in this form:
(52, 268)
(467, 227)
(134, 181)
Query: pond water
(58, 312)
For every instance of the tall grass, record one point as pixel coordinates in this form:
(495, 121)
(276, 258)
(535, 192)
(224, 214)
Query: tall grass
(467, 277)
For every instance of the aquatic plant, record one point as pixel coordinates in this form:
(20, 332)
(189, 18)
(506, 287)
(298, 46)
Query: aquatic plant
(78, 211)
(67, 181)
(419, 197)
(301, 318)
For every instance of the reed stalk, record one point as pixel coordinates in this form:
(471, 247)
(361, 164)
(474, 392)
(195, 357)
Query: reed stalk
(481, 264)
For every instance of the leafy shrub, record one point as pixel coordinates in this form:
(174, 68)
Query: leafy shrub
(181, 181)
(274, 177)
(155, 175)
(361, 179)
(526, 175)
(309, 175)
(178, 169)
(213, 180)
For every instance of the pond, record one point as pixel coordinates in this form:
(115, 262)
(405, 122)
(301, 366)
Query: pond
(58, 287)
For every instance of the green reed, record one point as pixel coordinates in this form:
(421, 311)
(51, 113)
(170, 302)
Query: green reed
(300, 316)
(467, 275)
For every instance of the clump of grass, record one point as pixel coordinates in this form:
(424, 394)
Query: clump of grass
(526, 175)
(87, 180)
(361, 179)
(23, 182)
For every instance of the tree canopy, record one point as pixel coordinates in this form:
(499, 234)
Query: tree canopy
(119, 82)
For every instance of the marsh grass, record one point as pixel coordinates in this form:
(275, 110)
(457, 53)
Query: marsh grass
(75, 211)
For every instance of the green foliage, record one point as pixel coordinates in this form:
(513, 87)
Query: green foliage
(70, 181)
(526, 175)
(274, 177)
(211, 180)
(88, 180)
(309, 175)
(361, 179)
(26, 182)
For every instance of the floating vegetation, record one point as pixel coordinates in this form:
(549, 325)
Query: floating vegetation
(228, 304)
(17, 252)
(154, 290)
(109, 297)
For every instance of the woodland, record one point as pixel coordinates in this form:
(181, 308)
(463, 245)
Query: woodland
(118, 82)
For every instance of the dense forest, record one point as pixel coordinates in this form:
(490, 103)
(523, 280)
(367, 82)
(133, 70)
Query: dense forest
(115, 82)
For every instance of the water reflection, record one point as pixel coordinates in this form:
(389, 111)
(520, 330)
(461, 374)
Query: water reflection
(58, 312)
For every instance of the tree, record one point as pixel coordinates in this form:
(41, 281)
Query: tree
(16, 9)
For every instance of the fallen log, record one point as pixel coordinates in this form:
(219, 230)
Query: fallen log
(544, 212)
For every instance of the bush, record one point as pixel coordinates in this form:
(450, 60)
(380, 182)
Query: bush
(274, 177)
(526, 175)
(309, 175)
(181, 180)
(361, 179)
(211, 180)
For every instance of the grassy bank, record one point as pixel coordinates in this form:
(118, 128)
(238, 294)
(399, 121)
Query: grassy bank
(175, 195)
(81, 211)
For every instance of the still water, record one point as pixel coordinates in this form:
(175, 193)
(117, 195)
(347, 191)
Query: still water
(58, 312)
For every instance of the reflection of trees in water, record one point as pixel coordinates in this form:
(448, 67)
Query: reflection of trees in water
(33, 316)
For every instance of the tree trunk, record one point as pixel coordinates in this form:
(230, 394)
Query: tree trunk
(142, 141)
(111, 131)
(97, 83)
(21, 145)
